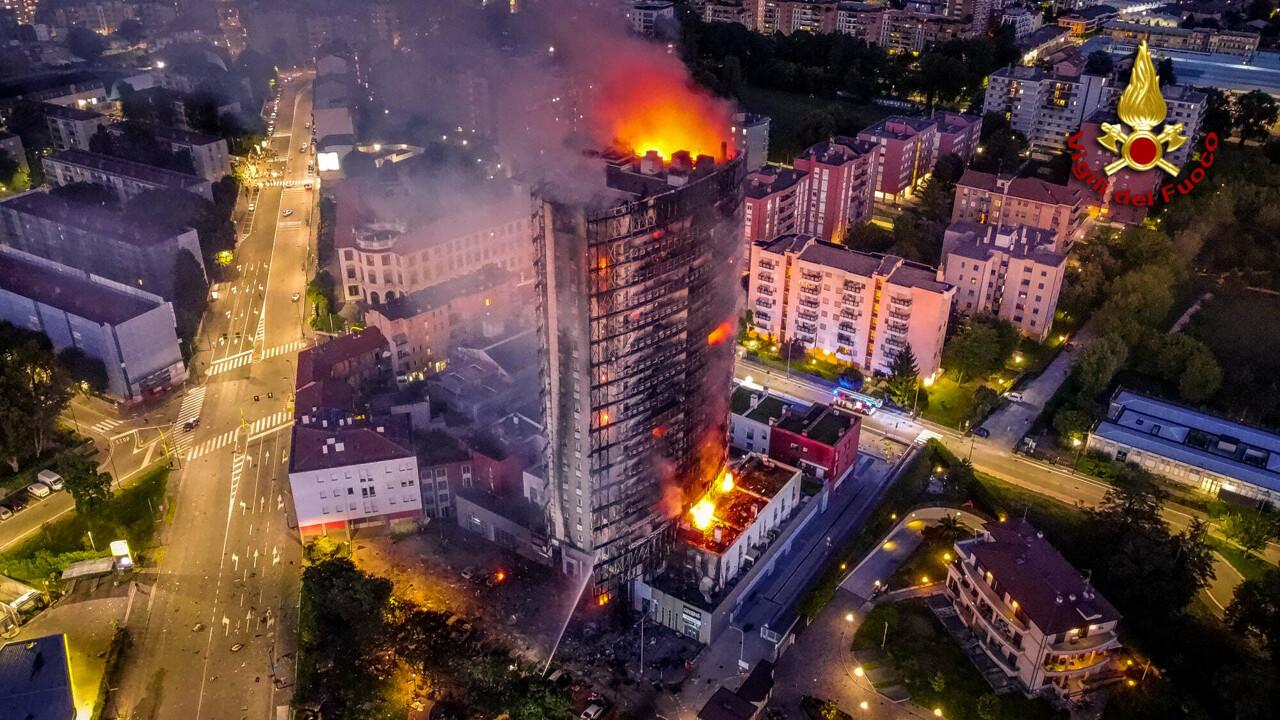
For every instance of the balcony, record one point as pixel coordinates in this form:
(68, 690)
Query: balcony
(852, 300)
(899, 328)
(1071, 665)
(811, 276)
(809, 303)
(809, 315)
(810, 288)
(806, 328)
(768, 264)
(764, 277)
(845, 339)
(902, 302)
(901, 317)
(851, 315)
(854, 287)
(896, 345)
(761, 317)
(766, 290)
(763, 302)
(847, 327)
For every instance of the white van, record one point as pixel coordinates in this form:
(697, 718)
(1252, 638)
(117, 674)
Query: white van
(50, 479)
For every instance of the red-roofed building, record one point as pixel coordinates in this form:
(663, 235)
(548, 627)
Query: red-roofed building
(841, 174)
(349, 470)
(1040, 621)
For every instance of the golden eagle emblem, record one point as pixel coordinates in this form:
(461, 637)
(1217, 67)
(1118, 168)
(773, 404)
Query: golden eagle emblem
(1142, 108)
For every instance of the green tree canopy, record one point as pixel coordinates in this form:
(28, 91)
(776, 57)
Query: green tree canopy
(89, 488)
(903, 377)
(1255, 113)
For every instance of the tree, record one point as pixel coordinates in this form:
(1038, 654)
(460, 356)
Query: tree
(1255, 113)
(1250, 530)
(1165, 73)
(85, 44)
(989, 706)
(974, 351)
(191, 294)
(1218, 116)
(83, 368)
(1255, 611)
(938, 681)
(131, 31)
(1003, 152)
(34, 389)
(1098, 363)
(1071, 423)
(9, 168)
(1099, 63)
(89, 487)
(1201, 378)
(984, 398)
(903, 376)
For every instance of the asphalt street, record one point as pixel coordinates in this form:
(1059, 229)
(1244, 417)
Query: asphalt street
(216, 639)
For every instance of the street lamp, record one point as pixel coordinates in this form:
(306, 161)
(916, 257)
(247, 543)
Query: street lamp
(937, 712)
(858, 671)
(848, 617)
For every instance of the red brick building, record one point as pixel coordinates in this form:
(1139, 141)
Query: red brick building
(822, 440)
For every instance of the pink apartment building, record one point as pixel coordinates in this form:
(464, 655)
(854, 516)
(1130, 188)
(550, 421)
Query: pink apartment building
(841, 174)
(855, 307)
(907, 149)
(774, 201)
(985, 198)
(958, 133)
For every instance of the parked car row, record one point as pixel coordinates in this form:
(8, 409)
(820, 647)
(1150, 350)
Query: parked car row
(47, 483)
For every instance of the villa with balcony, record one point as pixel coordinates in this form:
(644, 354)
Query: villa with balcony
(1039, 620)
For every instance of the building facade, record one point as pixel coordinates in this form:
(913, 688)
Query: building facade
(821, 440)
(209, 155)
(984, 198)
(1010, 272)
(774, 203)
(1045, 107)
(906, 150)
(126, 177)
(71, 127)
(1035, 616)
(751, 136)
(632, 299)
(958, 134)
(854, 307)
(132, 332)
(842, 180)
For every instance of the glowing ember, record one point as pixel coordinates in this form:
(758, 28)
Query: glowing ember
(643, 105)
(722, 332)
(726, 482)
(703, 513)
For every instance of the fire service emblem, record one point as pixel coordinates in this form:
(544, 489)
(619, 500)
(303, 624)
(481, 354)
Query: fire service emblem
(1142, 108)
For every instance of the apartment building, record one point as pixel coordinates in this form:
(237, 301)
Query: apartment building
(126, 177)
(208, 153)
(741, 12)
(819, 439)
(131, 331)
(349, 469)
(855, 307)
(899, 31)
(774, 202)
(1038, 619)
(11, 145)
(1087, 20)
(646, 16)
(906, 150)
(1203, 39)
(424, 326)
(789, 16)
(138, 252)
(382, 259)
(70, 127)
(1045, 107)
(1220, 457)
(841, 185)
(988, 199)
(958, 133)
(1010, 272)
(1024, 21)
(751, 137)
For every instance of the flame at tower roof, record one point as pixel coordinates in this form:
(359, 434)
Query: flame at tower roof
(1141, 105)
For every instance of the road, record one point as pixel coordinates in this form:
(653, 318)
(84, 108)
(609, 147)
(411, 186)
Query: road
(221, 607)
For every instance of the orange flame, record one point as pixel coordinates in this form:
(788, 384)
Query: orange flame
(644, 106)
(722, 332)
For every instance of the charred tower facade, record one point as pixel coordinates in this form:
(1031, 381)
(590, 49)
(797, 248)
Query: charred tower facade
(636, 295)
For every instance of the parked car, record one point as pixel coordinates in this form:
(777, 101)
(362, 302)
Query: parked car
(39, 490)
(1015, 396)
(5, 513)
(295, 297)
(592, 712)
(17, 502)
(50, 478)
(251, 206)
(286, 213)
(982, 432)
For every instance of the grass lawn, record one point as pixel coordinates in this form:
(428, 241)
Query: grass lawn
(928, 658)
(950, 402)
(818, 367)
(1248, 351)
(127, 515)
(927, 564)
(1249, 565)
(787, 110)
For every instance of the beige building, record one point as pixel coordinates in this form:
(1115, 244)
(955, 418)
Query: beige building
(1039, 620)
(1010, 272)
(854, 307)
(71, 127)
(987, 199)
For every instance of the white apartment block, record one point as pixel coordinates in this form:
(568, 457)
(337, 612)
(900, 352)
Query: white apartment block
(1013, 273)
(1045, 107)
(854, 307)
(1034, 615)
(352, 477)
(71, 127)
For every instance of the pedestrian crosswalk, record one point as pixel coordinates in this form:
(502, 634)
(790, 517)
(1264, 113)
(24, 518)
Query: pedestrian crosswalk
(179, 437)
(285, 349)
(262, 327)
(262, 425)
(231, 362)
(103, 427)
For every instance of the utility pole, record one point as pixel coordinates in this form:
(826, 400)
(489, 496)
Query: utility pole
(642, 613)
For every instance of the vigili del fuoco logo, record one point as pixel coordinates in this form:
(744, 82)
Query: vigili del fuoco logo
(1142, 108)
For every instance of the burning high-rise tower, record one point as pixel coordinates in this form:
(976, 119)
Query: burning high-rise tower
(637, 297)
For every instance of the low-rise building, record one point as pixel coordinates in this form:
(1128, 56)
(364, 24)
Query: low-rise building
(907, 149)
(958, 133)
(1201, 39)
(132, 332)
(209, 155)
(1035, 616)
(126, 177)
(423, 326)
(70, 127)
(842, 180)
(1087, 20)
(821, 440)
(349, 469)
(11, 145)
(988, 199)
(774, 202)
(134, 251)
(752, 413)
(1217, 456)
(487, 379)
(36, 682)
(1013, 273)
(1024, 21)
(646, 16)
(855, 307)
